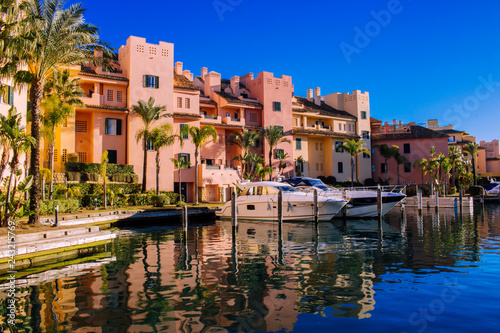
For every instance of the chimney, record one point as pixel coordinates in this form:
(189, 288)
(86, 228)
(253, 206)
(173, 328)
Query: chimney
(212, 83)
(394, 122)
(204, 72)
(317, 96)
(235, 85)
(178, 68)
(310, 97)
(188, 75)
(245, 79)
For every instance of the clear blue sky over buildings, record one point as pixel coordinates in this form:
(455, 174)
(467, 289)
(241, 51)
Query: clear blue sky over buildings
(418, 59)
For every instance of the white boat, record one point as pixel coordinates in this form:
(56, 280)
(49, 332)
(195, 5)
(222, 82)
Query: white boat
(493, 189)
(362, 203)
(259, 201)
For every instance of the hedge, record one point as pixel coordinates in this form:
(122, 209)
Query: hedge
(94, 168)
(148, 199)
(476, 190)
(65, 206)
(91, 188)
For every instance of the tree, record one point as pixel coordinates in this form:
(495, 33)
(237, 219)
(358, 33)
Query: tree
(48, 36)
(161, 137)
(273, 135)
(18, 141)
(149, 113)
(61, 97)
(299, 165)
(422, 165)
(44, 175)
(179, 165)
(199, 136)
(354, 148)
(472, 149)
(282, 165)
(102, 172)
(245, 140)
(447, 165)
(400, 159)
(387, 153)
(455, 156)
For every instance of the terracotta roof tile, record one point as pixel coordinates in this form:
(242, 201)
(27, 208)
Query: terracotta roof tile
(204, 101)
(324, 133)
(182, 82)
(323, 109)
(104, 76)
(186, 115)
(106, 107)
(414, 132)
(234, 100)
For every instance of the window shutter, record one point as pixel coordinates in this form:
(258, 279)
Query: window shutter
(157, 82)
(106, 126)
(118, 127)
(11, 96)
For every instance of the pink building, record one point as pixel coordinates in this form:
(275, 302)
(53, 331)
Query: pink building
(414, 143)
(492, 167)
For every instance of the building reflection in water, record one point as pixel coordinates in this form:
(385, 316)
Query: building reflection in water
(156, 280)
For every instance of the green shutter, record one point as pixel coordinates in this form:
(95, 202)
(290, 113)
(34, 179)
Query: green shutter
(118, 127)
(157, 82)
(11, 96)
(146, 81)
(106, 126)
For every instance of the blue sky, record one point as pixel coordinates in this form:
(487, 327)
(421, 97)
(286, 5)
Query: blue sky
(418, 59)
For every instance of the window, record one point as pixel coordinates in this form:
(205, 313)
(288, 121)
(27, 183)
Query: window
(407, 167)
(317, 146)
(149, 145)
(363, 114)
(187, 103)
(6, 94)
(253, 117)
(321, 146)
(340, 127)
(365, 155)
(184, 157)
(220, 139)
(110, 95)
(80, 126)
(340, 167)
(113, 126)
(119, 96)
(365, 134)
(349, 126)
(236, 116)
(344, 127)
(64, 155)
(278, 153)
(406, 148)
(451, 139)
(112, 156)
(179, 102)
(55, 155)
(383, 167)
(184, 135)
(276, 106)
(338, 147)
(82, 157)
(151, 81)
(298, 144)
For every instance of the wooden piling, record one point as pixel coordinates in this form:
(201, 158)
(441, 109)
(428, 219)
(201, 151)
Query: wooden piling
(234, 210)
(419, 200)
(184, 219)
(280, 207)
(437, 201)
(315, 208)
(379, 202)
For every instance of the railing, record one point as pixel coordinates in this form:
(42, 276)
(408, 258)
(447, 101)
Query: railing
(209, 116)
(212, 167)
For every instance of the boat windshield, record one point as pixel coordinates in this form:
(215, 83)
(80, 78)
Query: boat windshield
(285, 188)
(265, 190)
(316, 182)
(491, 186)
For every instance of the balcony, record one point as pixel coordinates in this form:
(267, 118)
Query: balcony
(233, 121)
(209, 118)
(100, 100)
(217, 174)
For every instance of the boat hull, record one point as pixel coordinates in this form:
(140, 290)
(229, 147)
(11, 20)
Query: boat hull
(367, 206)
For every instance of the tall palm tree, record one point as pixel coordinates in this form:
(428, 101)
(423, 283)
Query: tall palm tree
(354, 148)
(62, 94)
(49, 36)
(400, 159)
(199, 136)
(102, 171)
(387, 153)
(18, 141)
(447, 165)
(455, 156)
(149, 113)
(245, 140)
(422, 165)
(179, 165)
(472, 149)
(273, 135)
(162, 137)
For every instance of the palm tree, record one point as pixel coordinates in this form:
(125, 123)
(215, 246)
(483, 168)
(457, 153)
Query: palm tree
(245, 140)
(282, 157)
(179, 165)
(422, 165)
(472, 149)
(447, 165)
(455, 156)
(102, 171)
(299, 164)
(199, 136)
(149, 113)
(49, 36)
(18, 141)
(400, 159)
(162, 137)
(44, 175)
(273, 135)
(354, 148)
(387, 153)
(61, 98)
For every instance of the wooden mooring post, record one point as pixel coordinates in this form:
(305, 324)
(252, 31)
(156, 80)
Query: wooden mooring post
(316, 208)
(437, 200)
(280, 207)
(379, 203)
(234, 208)
(419, 201)
(185, 219)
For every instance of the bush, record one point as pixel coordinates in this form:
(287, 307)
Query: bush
(159, 200)
(370, 182)
(476, 190)
(483, 182)
(452, 190)
(73, 176)
(322, 178)
(90, 177)
(139, 199)
(331, 180)
(172, 197)
(73, 157)
(65, 206)
(94, 168)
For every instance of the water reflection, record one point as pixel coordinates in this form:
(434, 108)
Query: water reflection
(263, 278)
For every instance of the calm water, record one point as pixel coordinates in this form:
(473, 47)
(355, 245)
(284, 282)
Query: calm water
(435, 274)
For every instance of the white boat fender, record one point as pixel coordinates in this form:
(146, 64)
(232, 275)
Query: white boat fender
(268, 206)
(289, 207)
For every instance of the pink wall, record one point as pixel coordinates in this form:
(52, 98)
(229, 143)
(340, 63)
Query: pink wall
(103, 142)
(419, 148)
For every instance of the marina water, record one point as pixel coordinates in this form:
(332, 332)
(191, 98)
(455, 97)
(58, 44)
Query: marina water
(437, 273)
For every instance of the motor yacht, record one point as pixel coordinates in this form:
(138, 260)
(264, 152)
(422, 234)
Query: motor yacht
(362, 203)
(493, 189)
(259, 201)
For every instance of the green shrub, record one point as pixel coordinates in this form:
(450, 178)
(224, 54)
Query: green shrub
(476, 190)
(370, 182)
(73, 176)
(322, 178)
(139, 199)
(452, 190)
(94, 168)
(331, 180)
(65, 206)
(159, 200)
(173, 197)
